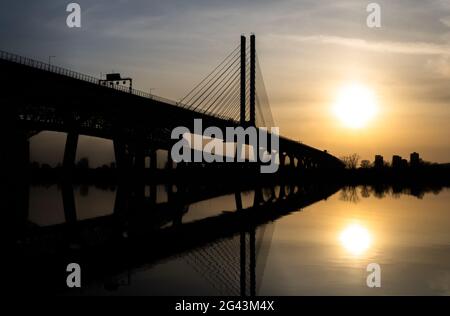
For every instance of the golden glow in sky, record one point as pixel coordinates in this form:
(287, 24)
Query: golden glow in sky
(356, 239)
(355, 105)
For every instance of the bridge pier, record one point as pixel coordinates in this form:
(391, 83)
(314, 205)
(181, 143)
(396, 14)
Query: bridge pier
(122, 199)
(68, 195)
(243, 252)
(153, 167)
(273, 197)
(301, 163)
(292, 161)
(258, 198)
(282, 160)
(139, 157)
(24, 151)
(15, 154)
(282, 190)
(70, 214)
(139, 168)
(252, 269)
(153, 194)
(238, 199)
(169, 165)
(247, 253)
(153, 159)
(178, 218)
(70, 150)
(178, 199)
(14, 164)
(122, 159)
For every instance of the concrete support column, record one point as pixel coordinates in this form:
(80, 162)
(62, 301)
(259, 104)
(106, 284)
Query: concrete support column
(301, 163)
(69, 203)
(258, 199)
(252, 269)
(153, 159)
(292, 161)
(272, 193)
(14, 163)
(139, 158)
(70, 150)
(120, 154)
(282, 160)
(169, 161)
(238, 198)
(282, 189)
(122, 198)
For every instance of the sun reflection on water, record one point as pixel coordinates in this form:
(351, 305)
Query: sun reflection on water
(355, 238)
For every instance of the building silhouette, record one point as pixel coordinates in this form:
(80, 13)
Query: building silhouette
(414, 159)
(396, 161)
(379, 161)
(399, 162)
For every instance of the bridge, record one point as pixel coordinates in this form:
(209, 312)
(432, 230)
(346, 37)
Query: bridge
(36, 96)
(227, 249)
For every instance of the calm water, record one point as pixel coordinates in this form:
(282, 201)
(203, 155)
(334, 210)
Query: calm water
(322, 249)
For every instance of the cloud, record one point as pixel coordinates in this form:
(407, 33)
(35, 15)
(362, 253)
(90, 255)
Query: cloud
(445, 21)
(440, 66)
(411, 48)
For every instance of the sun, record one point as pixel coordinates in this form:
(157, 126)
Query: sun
(355, 239)
(355, 105)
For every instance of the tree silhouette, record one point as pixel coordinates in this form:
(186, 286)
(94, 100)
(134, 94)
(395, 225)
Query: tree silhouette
(365, 164)
(351, 161)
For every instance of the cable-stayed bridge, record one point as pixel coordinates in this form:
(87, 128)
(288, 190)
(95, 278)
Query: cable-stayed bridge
(227, 249)
(37, 96)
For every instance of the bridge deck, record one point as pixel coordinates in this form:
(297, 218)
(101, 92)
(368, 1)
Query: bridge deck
(47, 97)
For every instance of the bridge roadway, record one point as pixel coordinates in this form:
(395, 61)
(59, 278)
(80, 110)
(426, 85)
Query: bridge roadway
(36, 96)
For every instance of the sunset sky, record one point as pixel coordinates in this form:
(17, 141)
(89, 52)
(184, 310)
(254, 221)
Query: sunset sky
(309, 50)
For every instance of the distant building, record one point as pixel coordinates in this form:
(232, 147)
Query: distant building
(404, 163)
(396, 161)
(414, 159)
(379, 161)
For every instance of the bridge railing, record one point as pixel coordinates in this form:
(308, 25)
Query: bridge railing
(76, 75)
(45, 66)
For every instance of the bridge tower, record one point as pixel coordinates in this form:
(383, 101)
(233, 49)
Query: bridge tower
(243, 78)
(252, 79)
(243, 116)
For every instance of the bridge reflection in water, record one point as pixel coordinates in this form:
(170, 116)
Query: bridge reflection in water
(227, 247)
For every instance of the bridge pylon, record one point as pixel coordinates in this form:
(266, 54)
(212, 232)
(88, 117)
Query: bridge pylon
(243, 79)
(252, 82)
(252, 121)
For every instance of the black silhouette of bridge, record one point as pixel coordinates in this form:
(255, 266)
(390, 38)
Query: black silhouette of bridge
(36, 96)
(229, 249)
